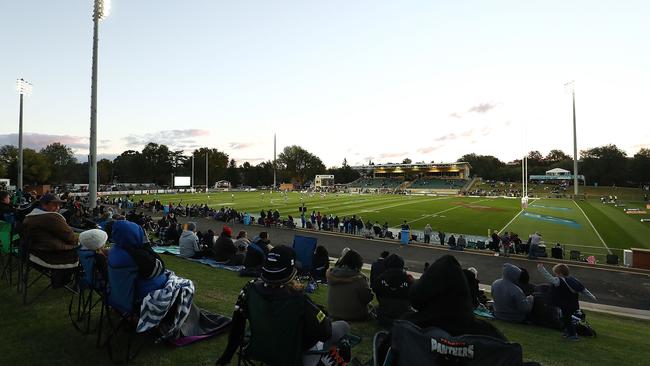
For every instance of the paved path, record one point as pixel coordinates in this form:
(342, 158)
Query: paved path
(612, 286)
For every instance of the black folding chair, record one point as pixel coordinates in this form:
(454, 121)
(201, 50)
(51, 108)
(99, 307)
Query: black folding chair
(65, 274)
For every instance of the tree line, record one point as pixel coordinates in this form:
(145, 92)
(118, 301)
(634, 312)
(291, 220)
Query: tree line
(157, 163)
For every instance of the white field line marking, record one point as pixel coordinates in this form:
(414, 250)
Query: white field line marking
(399, 204)
(443, 211)
(513, 219)
(592, 226)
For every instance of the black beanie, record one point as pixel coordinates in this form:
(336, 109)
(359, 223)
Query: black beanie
(279, 266)
(394, 261)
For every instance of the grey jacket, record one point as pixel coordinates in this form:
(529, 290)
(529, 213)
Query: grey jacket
(510, 303)
(188, 244)
(349, 294)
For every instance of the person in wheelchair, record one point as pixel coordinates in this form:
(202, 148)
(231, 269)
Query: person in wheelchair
(286, 327)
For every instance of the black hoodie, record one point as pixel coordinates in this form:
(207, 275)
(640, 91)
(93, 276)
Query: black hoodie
(442, 299)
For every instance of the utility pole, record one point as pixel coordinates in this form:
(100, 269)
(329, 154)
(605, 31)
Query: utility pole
(192, 173)
(24, 88)
(274, 161)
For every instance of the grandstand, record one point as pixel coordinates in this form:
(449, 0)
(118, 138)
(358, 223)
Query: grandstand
(445, 178)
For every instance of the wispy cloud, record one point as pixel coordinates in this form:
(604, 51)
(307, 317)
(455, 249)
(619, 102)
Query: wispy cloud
(455, 115)
(482, 108)
(447, 137)
(175, 139)
(427, 150)
(240, 145)
(40, 140)
(392, 155)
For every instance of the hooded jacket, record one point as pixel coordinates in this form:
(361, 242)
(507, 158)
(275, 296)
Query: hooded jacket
(188, 244)
(51, 239)
(510, 302)
(224, 248)
(442, 299)
(349, 294)
(130, 250)
(392, 290)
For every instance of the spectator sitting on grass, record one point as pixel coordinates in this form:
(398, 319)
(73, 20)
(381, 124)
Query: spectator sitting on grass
(392, 290)
(478, 297)
(378, 267)
(224, 247)
(510, 302)
(565, 293)
(277, 285)
(349, 294)
(5, 205)
(188, 244)
(257, 251)
(321, 263)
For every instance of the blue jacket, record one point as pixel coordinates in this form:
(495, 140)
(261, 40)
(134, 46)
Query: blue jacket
(127, 234)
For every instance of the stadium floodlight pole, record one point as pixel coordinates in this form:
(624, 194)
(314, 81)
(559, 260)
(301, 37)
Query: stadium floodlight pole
(23, 88)
(274, 161)
(572, 85)
(206, 171)
(192, 173)
(101, 10)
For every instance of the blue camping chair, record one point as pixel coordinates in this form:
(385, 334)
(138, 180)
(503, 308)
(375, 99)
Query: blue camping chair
(120, 297)
(91, 287)
(304, 247)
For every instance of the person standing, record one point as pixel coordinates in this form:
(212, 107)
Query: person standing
(535, 240)
(441, 237)
(427, 234)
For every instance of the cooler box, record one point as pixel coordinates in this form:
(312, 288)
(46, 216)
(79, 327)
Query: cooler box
(405, 236)
(627, 258)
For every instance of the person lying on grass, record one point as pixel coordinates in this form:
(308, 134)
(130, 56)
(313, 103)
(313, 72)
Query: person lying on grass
(565, 292)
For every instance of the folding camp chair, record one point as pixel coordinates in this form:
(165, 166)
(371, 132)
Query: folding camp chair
(412, 345)
(91, 288)
(8, 248)
(304, 247)
(29, 262)
(120, 297)
(263, 344)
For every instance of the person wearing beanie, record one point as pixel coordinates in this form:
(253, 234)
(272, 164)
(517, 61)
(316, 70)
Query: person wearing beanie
(349, 293)
(392, 290)
(224, 248)
(378, 267)
(93, 239)
(188, 244)
(510, 302)
(277, 286)
(321, 263)
(256, 252)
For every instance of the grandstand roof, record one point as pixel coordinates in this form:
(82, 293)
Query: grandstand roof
(412, 166)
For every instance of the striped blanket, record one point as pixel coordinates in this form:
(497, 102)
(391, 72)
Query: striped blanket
(176, 296)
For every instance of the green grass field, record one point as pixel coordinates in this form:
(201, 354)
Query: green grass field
(589, 226)
(41, 333)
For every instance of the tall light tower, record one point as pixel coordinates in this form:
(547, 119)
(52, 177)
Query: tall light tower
(24, 88)
(274, 163)
(572, 87)
(101, 11)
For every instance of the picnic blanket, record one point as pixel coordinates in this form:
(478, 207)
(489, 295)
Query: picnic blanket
(174, 250)
(178, 319)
